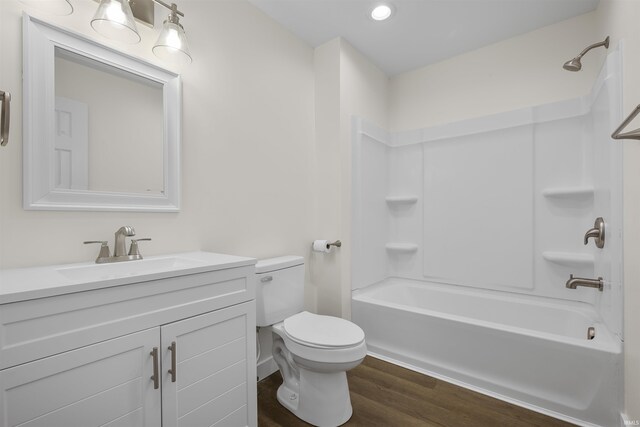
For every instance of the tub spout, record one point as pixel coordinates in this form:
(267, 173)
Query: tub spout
(574, 282)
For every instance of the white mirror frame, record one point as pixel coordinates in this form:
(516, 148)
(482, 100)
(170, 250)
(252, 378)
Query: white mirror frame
(39, 42)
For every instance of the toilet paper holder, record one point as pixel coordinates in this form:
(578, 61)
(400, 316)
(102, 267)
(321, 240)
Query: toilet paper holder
(337, 244)
(324, 246)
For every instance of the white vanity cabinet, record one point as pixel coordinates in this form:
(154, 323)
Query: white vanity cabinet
(88, 358)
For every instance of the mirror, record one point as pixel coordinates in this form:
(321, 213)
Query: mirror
(101, 128)
(93, 102)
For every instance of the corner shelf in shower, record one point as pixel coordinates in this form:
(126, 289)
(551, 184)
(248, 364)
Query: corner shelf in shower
(568, 192)
(573, 259)
(401, 200)
(404, 248)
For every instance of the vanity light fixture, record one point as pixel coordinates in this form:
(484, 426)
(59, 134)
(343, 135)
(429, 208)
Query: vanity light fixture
(115, 19)
(381, 12)
(54, 7)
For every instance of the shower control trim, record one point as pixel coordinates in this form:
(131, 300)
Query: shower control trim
(597, 232)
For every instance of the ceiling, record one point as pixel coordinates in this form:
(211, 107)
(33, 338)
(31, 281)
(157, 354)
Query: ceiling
(420, 32)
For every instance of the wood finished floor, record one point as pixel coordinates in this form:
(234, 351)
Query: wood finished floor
(386, 395)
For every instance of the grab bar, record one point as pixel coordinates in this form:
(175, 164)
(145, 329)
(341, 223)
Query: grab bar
(634, 134)
(5, 117)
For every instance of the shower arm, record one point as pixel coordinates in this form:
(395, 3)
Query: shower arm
(604, 43)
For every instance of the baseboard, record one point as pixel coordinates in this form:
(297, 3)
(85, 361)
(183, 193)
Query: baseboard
(266, 368)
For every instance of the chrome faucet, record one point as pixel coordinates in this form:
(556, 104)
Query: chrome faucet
(119, 248)
(574, 282)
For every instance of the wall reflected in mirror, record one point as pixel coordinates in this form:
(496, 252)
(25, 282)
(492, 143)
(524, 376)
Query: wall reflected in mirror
(108, 128)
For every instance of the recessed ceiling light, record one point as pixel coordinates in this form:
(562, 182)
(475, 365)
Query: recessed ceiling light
(381, 12)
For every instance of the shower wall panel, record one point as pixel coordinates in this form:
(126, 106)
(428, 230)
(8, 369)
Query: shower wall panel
(371, 232)
(478, 211)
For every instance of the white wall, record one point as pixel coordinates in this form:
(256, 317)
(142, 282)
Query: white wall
(347, 84)
(247, 148)
(325, 268)
(364, 92)
(515, 73)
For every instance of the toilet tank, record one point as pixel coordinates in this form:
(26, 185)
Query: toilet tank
(279, 289)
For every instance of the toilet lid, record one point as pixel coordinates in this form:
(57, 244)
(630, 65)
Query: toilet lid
(322, 331)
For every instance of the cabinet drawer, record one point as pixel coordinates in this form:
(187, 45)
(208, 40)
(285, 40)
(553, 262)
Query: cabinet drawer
(38, 328)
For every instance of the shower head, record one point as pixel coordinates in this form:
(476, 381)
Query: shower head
(575, 64)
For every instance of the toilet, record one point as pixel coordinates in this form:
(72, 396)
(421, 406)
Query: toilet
(313, 352)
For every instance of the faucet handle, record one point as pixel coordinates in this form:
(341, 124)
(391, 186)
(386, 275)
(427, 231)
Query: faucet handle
(597, 232)
(134, 250)
(104, 248)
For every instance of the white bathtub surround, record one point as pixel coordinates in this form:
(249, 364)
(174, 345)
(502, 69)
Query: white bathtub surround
(500, 204)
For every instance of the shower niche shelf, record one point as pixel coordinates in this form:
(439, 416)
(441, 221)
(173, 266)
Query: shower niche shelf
(401, 200)
(403, 248)
(568, 192)
(573, 259)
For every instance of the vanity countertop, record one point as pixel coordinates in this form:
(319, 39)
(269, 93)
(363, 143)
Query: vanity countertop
(39, 282)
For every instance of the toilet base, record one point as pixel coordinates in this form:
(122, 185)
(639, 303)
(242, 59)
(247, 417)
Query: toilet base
(322, 399)
(315, 387)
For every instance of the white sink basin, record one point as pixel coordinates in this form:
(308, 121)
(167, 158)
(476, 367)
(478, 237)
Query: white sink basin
(128, 268)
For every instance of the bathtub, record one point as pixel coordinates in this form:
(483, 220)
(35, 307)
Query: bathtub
(526, 350)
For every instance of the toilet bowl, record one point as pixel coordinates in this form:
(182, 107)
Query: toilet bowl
(313, 352)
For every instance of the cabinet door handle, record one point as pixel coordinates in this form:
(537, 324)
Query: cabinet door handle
(155, 377)
(172, 371)
(5, 117)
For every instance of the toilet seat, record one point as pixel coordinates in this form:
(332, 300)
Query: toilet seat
(316, 351)
(325, 332)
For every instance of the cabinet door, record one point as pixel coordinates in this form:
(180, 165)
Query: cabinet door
(105, 384)
(215, 369)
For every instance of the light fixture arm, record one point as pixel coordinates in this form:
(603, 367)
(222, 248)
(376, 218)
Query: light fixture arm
(173, 7)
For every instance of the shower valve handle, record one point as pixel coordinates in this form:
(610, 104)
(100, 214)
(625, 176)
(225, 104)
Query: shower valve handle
(597, 232)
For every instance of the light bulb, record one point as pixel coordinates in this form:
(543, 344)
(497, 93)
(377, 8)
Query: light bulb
(114, 20)
(172, 43)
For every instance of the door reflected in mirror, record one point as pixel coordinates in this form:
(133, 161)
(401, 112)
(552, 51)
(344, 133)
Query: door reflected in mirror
(108, 128)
